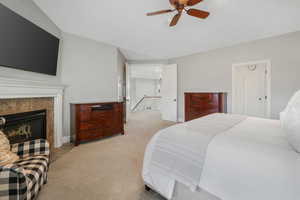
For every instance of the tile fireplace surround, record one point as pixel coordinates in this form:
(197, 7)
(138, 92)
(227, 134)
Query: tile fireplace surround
(23, 96)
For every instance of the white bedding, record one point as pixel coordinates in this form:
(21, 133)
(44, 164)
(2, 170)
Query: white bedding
(250, 160)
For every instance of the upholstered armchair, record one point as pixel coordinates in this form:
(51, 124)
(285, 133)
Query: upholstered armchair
(23, 179)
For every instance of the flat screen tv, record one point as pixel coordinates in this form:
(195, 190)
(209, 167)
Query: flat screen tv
(25, 46)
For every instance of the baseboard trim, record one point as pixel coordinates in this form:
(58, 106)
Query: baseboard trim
(66, 139)
(180, 120)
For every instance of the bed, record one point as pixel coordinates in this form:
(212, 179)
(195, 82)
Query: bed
(223, 157)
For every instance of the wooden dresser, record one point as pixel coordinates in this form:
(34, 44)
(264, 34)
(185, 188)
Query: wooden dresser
(96, 120)
(201, 104)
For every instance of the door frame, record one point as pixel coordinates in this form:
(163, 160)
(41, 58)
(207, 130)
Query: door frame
(127, 90)
(234, 84)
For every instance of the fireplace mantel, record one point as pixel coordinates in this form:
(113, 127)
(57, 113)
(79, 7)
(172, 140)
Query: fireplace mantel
(16, 88)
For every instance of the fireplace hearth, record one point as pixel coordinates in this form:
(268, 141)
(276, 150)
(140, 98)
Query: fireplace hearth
(22, 127)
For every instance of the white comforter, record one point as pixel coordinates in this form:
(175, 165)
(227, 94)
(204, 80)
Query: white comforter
(246, 159)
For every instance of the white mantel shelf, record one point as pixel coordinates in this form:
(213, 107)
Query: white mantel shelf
(17, 88)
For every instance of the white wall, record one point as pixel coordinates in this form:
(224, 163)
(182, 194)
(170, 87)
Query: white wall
(141, 87)
(144, 80)
(212, 71)
(30, 11)
(145, 87)
(90, 71)
(146, 71)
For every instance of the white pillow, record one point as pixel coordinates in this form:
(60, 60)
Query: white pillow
(293, 101)
(292, 127)
(290, 121)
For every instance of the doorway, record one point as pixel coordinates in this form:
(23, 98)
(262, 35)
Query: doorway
(151, 88)
(251, 89)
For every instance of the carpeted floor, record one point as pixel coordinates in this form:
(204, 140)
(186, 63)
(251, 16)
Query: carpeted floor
(108, 169)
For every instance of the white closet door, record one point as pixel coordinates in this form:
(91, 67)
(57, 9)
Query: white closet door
(250, 90)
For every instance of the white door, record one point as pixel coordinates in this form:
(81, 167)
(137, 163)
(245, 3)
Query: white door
(250, 90)
(169, 93)
(127, 90)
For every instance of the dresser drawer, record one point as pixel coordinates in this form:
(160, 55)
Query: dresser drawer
(100, 123)
(100, 115)
(96, 120)
(118, 107)
(204, 112)
(91, 134)
(87, 113)
(205, 98)
(204, 106)
(201, 104)
(84, 108)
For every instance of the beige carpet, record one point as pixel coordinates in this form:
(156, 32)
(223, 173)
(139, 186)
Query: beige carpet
(108, 169)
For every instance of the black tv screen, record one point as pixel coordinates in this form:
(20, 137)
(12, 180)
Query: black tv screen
(25, 46)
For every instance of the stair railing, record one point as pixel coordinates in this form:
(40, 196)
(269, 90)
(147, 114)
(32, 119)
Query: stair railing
(142, 100)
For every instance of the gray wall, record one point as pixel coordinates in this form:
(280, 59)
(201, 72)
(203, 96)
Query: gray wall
(211, 71)
(121, 62)
(90, 72)
(29, 10)
(89, 69)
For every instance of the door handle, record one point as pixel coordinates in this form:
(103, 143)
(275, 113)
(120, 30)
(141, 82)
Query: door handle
(175, 100)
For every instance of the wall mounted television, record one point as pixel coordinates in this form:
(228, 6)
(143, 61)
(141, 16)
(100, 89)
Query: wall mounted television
(25, 46)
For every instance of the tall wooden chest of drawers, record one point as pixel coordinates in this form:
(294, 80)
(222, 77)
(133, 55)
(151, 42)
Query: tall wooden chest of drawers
(96, 120)
(201, 104)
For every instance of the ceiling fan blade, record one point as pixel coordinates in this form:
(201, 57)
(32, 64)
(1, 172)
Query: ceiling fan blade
(159, 12)
(175, 19)
(198, 13)
(193, 2)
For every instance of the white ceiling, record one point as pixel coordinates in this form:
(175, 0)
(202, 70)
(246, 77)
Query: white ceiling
(124, 24)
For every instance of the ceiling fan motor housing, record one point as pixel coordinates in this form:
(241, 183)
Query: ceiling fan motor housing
(180, 2)
(179, 6)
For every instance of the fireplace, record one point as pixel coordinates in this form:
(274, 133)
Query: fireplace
(22, 127)
(18, 96)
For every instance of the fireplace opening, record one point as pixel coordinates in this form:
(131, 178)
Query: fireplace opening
(22, 127)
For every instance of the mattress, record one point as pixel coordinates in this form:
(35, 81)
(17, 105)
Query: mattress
(251, 160)
(181, 192)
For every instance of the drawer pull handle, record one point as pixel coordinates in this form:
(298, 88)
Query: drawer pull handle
(97, 106)
(102, 107)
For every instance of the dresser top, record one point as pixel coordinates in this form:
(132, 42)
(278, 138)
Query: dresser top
(205, 92)
(93, 103)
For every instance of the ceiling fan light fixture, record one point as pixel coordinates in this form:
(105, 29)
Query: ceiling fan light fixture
(180, 6)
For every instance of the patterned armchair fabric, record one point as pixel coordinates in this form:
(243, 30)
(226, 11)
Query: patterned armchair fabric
(23, 179)
(31, 148)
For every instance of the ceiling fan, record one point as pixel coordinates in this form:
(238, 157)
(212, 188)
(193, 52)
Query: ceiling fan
(180, 6)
